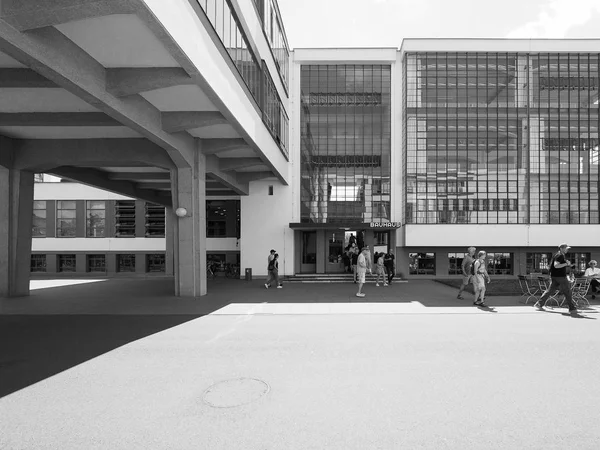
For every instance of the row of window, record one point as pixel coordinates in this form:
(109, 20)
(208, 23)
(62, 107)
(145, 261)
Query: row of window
(155, 262)
(95, 219)
(497, 263)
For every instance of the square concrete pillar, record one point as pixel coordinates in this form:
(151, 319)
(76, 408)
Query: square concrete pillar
(16, 211)
(170, 221)
(189, 232)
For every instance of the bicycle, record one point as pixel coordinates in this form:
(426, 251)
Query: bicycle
(232, 271)
(210, 271)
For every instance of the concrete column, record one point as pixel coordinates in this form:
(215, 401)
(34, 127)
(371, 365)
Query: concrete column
(140, 219)
(189, 232)
(170, 221)
(16, 211)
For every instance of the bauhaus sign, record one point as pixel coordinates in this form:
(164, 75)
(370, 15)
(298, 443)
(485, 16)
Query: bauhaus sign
(587, 83)
(385, 224)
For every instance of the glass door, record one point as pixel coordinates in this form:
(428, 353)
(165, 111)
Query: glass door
(334, 245)
(308, 261)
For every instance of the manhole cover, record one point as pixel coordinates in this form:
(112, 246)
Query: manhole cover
(237, 392)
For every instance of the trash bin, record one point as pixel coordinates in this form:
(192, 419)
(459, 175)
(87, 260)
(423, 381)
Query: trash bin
(249, 274)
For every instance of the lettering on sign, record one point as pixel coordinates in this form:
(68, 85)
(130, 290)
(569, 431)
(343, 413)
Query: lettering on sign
(386, 224)
(590, 83)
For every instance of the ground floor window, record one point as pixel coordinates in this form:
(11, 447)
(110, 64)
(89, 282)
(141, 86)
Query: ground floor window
(66, 263)
(155, 262)
(38, 263)
(421, 263)
(500, 263)
(455, 261)
(126, 263)
(538, 263)
(96, 263)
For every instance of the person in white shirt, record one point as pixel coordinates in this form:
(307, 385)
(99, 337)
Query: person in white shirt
(363, 264)
(594, 273)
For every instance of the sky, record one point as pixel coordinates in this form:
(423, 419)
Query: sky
(384, 23)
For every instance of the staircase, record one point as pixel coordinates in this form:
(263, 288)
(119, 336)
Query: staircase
(329, 278)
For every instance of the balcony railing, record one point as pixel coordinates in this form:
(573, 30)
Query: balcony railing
(257, 78)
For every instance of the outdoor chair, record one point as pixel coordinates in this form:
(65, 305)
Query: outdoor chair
(544, 283)
(527, 289)
(579, 291)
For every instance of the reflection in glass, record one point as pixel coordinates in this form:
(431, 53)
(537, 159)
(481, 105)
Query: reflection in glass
(501, 138)
(345, 143)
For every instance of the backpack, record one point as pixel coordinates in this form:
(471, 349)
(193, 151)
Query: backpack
(472, 269)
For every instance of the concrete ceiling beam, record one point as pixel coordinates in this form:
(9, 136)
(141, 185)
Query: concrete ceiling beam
(31, 14)
(121, 82)
(227, 179)
(140, 176)
(175, 121)
(228, 164)
(214, 146)
(156, 186)
(58, 119)
(98, 179)
(247, 177)
(42, 155)
(55, 57)
(23, 78)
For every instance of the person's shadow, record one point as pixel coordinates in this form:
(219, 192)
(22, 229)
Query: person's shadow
(578, 315)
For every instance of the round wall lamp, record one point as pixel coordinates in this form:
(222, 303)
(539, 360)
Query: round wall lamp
(181, 212)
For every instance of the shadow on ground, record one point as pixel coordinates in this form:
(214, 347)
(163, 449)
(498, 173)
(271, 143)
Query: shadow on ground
(57, 328)
(36, 347)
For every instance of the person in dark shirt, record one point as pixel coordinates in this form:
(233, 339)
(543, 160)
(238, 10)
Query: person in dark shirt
(388, 263)
(354, 262)
(560, 282)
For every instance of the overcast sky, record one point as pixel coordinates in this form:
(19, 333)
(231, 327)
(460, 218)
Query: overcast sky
(383, 23)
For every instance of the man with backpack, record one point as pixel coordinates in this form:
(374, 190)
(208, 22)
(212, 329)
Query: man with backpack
(467, 262)
(560, 282)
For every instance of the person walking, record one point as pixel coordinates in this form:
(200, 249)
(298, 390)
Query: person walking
(270, 268)
(560, 282)
(275, 270)
(354, 258)
(362, 265)
(479, 278)
(380, 269)
(466, 270)
(388, 263)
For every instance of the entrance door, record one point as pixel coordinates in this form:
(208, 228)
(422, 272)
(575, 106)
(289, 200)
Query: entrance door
(334, 251)
(308, 262)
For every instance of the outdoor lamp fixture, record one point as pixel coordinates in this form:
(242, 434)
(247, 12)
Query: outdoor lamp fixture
(181, 212)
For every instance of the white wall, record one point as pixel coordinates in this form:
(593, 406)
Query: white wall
(265, 223)
(503, 235)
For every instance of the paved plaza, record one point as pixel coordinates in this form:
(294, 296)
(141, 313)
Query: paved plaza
(122, 364)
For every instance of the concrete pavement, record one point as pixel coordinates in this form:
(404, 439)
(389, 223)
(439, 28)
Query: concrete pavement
(295, 371)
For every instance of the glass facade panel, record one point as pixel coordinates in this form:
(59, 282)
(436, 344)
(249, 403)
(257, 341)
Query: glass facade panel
(155, 262)
(95, 218)
(501, 138)
(96, 263)
(38, 263)
(66, 263)
(345, 143)
(38, 228)
(66, 218)
(126, 262)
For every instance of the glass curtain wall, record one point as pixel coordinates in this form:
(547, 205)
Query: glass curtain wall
(501, 138)
(345, 143)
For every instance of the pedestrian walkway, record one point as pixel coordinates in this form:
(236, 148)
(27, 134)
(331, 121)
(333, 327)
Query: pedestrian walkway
(155, 296)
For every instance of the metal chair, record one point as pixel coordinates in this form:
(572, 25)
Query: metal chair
(544, 284)
(579, 291)
(527, 290)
